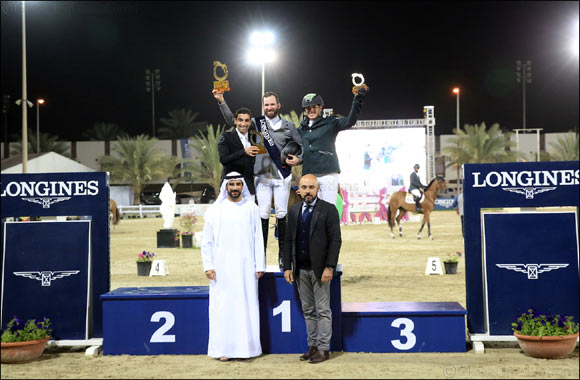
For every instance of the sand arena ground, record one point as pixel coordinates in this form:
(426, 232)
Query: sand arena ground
(376, 268)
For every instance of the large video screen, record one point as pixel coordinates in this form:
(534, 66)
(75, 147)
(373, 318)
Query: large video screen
(374, 163)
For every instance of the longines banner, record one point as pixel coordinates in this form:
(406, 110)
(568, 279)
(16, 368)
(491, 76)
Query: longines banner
(56, 269)
(521, 242)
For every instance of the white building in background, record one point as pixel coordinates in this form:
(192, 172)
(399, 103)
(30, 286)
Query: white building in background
(85, 154)
(49, 162)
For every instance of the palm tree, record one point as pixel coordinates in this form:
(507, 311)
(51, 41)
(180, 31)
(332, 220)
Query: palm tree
(138, 162)
(565, 148)
(103, 131)
(293, 117)
(180, 124)
(48, 143)
(478, 145)
(205, 166)
(106, 132)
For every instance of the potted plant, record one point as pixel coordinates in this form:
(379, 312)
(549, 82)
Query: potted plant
(545, 336)
(451, 262)
(24, 341)
(187, 221)
(144, 261)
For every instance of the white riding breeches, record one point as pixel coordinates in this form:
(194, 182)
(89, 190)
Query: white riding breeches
(279, 188)
(328, 187)
(416, 192)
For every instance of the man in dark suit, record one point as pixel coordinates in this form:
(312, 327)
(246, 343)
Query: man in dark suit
(310, 255)
(235, 150)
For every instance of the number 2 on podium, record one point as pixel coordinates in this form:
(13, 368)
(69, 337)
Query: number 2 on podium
(159, 334)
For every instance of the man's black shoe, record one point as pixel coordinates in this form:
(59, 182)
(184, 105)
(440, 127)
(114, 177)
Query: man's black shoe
(319, 356)
(309, 353)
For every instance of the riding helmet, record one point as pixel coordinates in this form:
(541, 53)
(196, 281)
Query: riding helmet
(292, 148)
(312, 99)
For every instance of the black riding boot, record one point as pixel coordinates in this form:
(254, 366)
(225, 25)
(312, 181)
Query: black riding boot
(418, 204)
(265, 223)
(281, 234)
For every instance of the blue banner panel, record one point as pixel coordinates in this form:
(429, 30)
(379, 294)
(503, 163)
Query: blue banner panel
(403, 327)
(511, 184)
(156, 321)
(443, 204)
(540, 271)
(46, 273)
(282, 325)
(80, 195)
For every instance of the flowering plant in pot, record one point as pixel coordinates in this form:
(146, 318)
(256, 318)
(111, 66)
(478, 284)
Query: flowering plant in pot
(451, 262)
(144, 261)
(187, 221)
(547, 336)
(24, 341)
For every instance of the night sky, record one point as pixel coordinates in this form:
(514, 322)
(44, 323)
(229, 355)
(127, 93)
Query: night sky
(87, 59)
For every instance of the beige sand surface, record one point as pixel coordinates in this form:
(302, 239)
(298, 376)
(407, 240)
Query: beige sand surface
(376, 268)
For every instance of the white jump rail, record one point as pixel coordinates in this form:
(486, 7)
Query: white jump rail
(143, 210)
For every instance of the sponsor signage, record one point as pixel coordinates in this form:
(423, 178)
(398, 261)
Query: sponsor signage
(44, 275)
(46, 256)
(444, 203)
(534, 271)
(516, 260)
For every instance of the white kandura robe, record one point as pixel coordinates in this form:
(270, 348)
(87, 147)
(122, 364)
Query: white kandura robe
(233, 245)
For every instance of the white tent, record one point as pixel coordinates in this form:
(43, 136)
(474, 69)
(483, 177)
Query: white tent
(49, 162)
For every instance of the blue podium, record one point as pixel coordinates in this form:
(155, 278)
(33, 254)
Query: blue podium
(403, 327)
(156, 321)
(283, 330)
(174, 320)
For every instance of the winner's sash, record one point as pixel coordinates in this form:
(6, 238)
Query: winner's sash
(271, 147)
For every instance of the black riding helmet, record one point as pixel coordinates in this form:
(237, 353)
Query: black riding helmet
(312, 99)
(292, 148)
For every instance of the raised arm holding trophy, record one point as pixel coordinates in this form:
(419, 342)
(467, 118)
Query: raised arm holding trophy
(319, 136)
(220, 83)
(270, 135)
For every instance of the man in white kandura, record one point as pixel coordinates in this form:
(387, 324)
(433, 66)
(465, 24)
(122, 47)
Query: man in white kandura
(232, 251)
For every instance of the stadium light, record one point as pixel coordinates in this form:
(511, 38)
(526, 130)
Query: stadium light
(456, 91)
(24, 96)
(261, 53)
(575, 40)
(38, 103)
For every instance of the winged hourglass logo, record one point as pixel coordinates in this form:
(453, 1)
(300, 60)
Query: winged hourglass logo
(45, 277)
(532, 270)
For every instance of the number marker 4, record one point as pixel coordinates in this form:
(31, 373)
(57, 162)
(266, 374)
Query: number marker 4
(159, 268)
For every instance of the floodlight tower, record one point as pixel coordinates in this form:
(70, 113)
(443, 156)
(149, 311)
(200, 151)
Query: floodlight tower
(524, 75)
(152, 84)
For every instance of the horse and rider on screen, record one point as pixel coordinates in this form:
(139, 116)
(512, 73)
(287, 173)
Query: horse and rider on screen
(402, 202)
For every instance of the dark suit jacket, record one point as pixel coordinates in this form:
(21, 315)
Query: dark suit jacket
(415, 182)
(233, 157)
(325, 238)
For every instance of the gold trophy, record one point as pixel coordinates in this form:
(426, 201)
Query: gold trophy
(257, 140)
(220, 83)
(359, 85)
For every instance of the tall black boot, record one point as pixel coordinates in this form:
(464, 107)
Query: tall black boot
(281, 235)
(417, 204)
(265, 223)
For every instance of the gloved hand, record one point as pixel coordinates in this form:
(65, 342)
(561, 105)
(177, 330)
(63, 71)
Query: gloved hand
(360, 94)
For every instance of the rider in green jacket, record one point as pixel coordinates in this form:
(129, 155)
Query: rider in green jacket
(318, 134)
